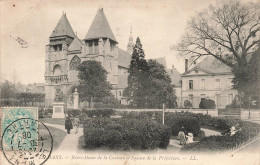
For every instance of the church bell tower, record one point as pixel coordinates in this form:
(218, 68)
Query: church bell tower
(56, 78)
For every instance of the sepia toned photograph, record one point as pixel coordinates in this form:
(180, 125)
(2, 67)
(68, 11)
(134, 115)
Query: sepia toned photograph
(130, 82)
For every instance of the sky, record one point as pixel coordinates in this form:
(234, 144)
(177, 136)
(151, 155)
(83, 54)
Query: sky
(159, 24)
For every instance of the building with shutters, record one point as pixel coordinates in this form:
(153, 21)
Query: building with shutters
(208, 79)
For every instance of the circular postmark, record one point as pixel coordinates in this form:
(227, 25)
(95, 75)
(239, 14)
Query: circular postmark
(27, 141)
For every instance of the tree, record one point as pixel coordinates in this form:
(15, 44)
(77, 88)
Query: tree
(228, 32)
(93, 82)
(8, 93)
(137, 88)
(247, 80)
(160, 87)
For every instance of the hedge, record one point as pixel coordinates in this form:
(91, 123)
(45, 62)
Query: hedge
(99, 113)
(218, 143)
(125, 134)
(73, 112)
(177, 120)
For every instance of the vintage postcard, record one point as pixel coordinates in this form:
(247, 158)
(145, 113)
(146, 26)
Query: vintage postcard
(130, 82)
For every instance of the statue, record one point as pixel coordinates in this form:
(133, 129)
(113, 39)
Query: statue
(59, 96)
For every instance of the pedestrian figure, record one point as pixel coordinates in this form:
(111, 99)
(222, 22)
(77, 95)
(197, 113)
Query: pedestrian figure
(232, 130)
(68, 124)
(189, 138)
(182, 137)
(76, 124)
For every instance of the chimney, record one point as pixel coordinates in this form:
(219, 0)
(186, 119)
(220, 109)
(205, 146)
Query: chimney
(186, 65)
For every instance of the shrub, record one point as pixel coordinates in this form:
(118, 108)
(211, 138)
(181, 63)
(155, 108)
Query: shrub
(125, 133)
(218, 143)
(165, 136)
(207, 104)
(73, 112)
(41, 113)
(99, 113)
(187, 104)
(111, 139)
(177, 120)
(92, 137)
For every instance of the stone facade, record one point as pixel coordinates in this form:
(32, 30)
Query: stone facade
(66, 51)
(209, 79)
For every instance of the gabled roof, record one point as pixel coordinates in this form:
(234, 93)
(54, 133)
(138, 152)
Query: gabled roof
(100, 28)
(161, 61)
(63, 28)
(75, 45)
(124, 58)
(175, 76)
(211, 65)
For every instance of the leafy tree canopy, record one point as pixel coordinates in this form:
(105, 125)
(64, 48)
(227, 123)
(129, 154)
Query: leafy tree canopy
(93, 81)
(149, 85)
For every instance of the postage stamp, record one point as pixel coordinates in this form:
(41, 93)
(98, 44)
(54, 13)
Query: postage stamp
(11, 114)
(26, 142)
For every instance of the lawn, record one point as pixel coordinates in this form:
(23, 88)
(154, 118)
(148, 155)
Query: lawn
(58, 136)
(53, 121)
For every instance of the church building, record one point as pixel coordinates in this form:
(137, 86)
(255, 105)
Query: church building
(66, 51)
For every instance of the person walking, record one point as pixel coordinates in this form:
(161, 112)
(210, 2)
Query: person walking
(76, 124)
(68, 124)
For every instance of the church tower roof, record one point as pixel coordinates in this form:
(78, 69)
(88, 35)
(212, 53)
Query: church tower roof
(63, 28)
(130, 44)
(75, 45)
(100, 28)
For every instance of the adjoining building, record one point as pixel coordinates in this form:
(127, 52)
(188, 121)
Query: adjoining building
(66, 51)
(208, 79)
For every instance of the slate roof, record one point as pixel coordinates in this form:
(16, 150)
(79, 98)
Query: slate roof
(100, 28)
(175, 76)
(161, 61)
(211, 64)
(63, 28)
(124, 58)
(75, 45)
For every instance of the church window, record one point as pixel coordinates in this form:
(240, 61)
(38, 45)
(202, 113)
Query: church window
(90, 48)
(57, 70)
(57, 47)
(75, 61)
(96, 47)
